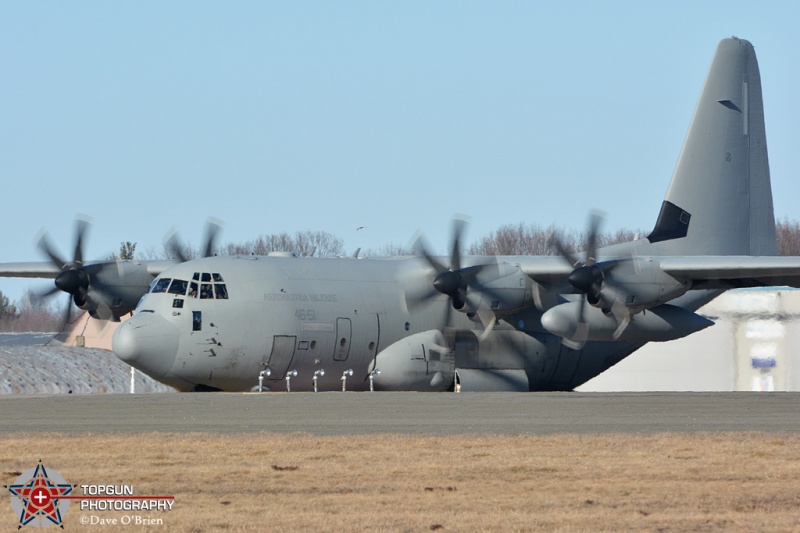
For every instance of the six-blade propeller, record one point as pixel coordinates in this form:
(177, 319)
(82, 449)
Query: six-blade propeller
(592, 279)
(82, 281)
(459, 283)
(75, 279)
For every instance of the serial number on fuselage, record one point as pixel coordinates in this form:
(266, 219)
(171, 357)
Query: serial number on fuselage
(306, 314)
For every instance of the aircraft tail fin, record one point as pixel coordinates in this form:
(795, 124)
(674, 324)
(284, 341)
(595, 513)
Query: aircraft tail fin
(719, 201)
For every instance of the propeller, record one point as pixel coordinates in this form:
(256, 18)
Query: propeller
(183, 253)
(591, 279)
(74, 278)
(459, 284)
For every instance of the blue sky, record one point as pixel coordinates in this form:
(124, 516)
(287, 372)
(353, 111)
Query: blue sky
(292, 116)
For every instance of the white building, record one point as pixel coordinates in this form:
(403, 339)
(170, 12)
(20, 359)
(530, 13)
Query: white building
(754, 346)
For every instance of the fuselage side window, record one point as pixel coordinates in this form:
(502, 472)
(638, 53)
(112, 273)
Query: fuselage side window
(221, 291)
(161, 285)
(178, 286)
(206, 293)
(193, 290)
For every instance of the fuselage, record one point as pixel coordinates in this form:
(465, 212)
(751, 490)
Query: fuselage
(235, 316)
(216, 323)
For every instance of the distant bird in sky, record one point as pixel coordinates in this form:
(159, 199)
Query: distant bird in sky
(360, 227)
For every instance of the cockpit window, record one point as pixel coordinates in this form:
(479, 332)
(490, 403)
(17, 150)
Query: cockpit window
(206, 293)
(178, 286)
(161, 285)
(192, 289)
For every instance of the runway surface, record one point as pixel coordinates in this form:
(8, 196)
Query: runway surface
(336, 413)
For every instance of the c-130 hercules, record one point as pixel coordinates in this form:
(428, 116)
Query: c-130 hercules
(478, 323)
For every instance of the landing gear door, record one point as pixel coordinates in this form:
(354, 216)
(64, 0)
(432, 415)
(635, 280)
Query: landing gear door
(466, 350)
(565, 367)
(282, 354)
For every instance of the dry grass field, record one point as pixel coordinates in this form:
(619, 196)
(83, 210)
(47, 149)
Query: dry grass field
(298, 482)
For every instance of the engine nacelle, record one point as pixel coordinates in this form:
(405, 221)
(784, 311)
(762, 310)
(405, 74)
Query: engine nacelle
(419, 362)
(661, 323)
(115, 286)
(508, 289)
(641, 284)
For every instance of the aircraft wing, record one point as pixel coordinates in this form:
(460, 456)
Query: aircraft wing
(154, 268)
(46, 269)
(734, 271)
(705, 272)
(29, 270)
(548, 270)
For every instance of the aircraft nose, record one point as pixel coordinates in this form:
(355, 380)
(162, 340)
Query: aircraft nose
(148, 342)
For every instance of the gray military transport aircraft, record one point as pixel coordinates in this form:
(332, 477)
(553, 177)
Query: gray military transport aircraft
(520, 323)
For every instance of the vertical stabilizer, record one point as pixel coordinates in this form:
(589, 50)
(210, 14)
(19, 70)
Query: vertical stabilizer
(719, 201)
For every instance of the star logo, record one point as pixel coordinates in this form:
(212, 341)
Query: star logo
(36, 497)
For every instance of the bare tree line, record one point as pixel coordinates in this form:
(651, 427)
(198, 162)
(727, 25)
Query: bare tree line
(787, 233)
(510, 239)
(532, 239)
(302, 243)
(28, 315)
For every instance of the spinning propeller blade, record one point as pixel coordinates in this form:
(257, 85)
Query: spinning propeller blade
(594, 282)
(183, 253)
(460, 284)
